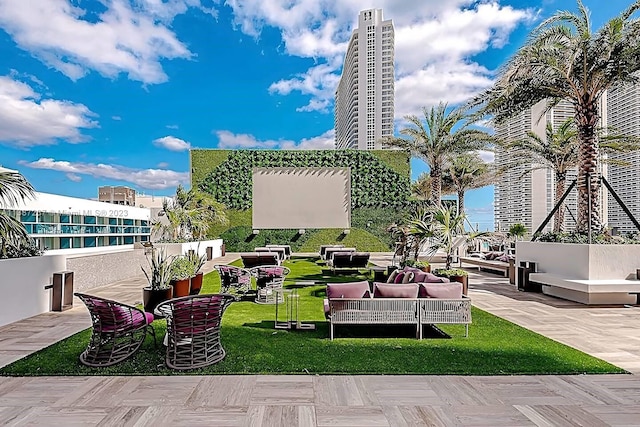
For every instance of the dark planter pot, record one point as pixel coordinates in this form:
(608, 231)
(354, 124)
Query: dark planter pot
(196, 284)
(152, 297)
(180, 288)
(462, 279)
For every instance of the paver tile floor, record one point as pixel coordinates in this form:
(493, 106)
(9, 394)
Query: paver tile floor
(610, 333)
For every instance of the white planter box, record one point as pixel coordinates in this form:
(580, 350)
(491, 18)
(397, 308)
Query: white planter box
(200, 247)
(589, 264)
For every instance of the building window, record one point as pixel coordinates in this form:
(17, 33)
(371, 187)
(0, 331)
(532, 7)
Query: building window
(27, 216)
(65, 219)
(65, 243)
(77, 242)
(89, 242)
(89, 219)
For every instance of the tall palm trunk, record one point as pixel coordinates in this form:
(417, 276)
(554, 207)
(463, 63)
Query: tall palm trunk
(588, 183)
(436, 183)
(460, 201)
(558, 220)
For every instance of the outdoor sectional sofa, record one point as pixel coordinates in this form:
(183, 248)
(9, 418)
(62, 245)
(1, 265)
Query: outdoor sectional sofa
(416, 304)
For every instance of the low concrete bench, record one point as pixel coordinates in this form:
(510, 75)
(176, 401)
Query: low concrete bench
(602, 291)
(487, 264)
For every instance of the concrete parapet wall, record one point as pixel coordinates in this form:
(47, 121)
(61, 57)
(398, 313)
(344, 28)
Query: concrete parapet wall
(97, 270)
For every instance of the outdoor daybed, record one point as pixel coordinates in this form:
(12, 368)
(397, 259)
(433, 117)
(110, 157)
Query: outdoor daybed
(491, 261)
(392, 304)
(349, 260)
(255, 259)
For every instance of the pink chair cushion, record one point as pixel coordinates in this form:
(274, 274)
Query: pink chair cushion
(451, 290)
(432, 278)
(386, 290)
(419, 276)
(326, 307)
(348, 290)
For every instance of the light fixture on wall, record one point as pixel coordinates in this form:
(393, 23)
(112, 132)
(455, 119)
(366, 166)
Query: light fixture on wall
(346, 231)
(302, 231)
(255, 232)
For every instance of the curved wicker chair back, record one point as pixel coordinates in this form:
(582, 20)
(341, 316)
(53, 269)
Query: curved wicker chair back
(193, 330)
(268, 279)
(233, 280)
(118, 331)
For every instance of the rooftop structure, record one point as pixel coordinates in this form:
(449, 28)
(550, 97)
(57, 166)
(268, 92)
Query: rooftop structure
(364, 99)
(119, 195)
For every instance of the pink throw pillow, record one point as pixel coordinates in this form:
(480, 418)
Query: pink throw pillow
(348, 290)
(385, 290)
(399, 277)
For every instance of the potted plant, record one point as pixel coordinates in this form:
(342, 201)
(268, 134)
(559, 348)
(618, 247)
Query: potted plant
(423, 265)
(196, 278)
(181, 272)
(158, 276)
(455, 275)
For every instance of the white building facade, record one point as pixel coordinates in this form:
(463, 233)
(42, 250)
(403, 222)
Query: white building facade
(69, 225)
(364, 99)
(525, 193)
(624, 117)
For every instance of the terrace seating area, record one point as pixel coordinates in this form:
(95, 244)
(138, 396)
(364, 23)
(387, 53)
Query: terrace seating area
(416, 304)
(255, 259)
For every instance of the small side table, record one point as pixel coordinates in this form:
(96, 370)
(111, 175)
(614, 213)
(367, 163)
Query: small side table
(379, 274)
(288, 309)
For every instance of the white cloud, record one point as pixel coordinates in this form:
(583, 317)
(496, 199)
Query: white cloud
(435, 40)
(27, 120)
(172, 143)
(171, 126)
(73, 177)
(229, 140)
(116, 118)
(128, 37)
(152, 179)
(487, 156)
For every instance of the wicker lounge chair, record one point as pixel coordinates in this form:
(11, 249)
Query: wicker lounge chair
(233, 280)
(193, 330)
(118, 331)
(255, 259)
(268, 279)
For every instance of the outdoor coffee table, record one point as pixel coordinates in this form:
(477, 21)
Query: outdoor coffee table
(288, 310)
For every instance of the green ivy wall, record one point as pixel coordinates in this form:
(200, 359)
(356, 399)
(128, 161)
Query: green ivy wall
(380, 188)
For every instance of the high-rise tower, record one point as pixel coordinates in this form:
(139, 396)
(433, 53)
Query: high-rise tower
(364, 99)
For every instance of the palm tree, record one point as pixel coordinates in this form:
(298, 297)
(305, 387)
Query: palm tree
(557, 151)
(189, 215)
(444, 134)
(563, 59)
(421, 188)
(14, 188)
(466, 171)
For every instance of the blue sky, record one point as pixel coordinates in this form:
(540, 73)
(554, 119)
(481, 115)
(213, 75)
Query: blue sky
(115, 92)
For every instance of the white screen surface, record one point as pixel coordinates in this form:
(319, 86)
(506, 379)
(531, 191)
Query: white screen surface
(295, 198)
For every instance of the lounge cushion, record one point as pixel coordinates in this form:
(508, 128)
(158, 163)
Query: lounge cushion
(451, 290)
(408, 277)
(419, 276)
(348, 290)
(432, 278)
(386, 290)
(392, 276)
(399, 277)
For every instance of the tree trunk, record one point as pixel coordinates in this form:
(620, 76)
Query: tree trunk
(558, 220)
(588, 195)
(436, 183)
(460, 201)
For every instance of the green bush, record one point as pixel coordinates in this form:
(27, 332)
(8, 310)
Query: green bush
(362, 240)
(596, 238)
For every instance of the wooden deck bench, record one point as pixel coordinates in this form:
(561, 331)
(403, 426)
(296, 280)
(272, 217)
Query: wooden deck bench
(486, 264)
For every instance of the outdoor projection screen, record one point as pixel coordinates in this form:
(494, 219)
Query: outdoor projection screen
(297, 198)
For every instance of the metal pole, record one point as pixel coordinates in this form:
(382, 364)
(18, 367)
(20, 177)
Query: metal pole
(588, 177)
(553, 211)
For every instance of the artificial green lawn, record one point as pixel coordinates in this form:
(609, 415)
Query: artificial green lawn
(494, 346)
